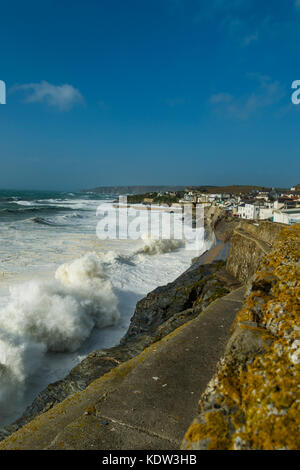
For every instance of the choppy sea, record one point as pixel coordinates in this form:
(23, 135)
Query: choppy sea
(63, 291)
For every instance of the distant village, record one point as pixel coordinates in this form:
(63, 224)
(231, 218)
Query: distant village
(281, 206)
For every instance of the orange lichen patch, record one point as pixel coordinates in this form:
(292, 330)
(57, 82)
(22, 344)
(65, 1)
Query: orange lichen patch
(231, 388)
(259, 396)
(244, 315)
(90, 410)
(270, 402)
(215, 429)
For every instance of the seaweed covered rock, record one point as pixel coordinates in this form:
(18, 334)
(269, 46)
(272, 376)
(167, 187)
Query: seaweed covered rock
(253, 401)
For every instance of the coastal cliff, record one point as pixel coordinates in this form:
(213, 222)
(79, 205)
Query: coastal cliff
(185, 322)
(253, 401)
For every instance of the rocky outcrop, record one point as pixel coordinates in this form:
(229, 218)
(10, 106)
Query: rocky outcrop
(253, 401)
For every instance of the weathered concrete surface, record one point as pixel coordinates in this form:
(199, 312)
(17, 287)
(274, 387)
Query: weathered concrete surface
(145, 403)
(160, 394)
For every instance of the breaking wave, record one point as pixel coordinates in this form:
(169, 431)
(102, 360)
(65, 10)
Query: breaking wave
(32, 209)
(41, 220)
(159, 246)
(56, 316)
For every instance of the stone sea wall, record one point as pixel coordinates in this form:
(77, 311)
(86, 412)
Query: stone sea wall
(253, 401)
(248, 244)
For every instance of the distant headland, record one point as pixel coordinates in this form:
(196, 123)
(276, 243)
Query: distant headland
(235, 189)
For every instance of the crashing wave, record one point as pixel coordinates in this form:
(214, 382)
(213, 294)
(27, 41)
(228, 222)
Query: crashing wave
(56, 315)
(154, 246)
(41, 221)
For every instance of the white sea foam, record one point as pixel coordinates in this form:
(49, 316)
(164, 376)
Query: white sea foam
(153, 246)
(24, 203)
(56, 315)
(65, 314)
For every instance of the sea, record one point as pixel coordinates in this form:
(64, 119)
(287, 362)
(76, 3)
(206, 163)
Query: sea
(65, 290)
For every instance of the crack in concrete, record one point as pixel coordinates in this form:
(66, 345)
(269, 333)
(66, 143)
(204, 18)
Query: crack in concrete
(139, 429)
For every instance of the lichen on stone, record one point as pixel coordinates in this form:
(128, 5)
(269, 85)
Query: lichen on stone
(256, 391)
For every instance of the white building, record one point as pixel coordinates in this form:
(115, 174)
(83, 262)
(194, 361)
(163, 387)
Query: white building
(287, 216)
(248, 211)
(262, 195)
(265, 213)
(203, 198)
(214, 197)
(278, 205)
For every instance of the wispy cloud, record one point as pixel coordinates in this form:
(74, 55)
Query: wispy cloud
(266, 94)
(242, 31)
(62, 97)
(248, 22)
(237, 19)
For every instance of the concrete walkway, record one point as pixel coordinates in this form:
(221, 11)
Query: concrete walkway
(147, 403)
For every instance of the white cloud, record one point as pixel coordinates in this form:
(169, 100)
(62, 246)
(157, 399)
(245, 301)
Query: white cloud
(63, 97)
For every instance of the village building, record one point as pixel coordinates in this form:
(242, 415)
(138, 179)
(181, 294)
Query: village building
(248, 211)
(287, 216)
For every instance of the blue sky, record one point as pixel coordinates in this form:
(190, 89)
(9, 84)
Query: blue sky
(110, 92)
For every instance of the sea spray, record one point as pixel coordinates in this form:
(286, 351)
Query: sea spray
(56, 315)
(154, 246)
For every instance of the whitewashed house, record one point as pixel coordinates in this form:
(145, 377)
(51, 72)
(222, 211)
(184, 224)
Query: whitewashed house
(266, 213)
(248, 211)
(287, 216)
